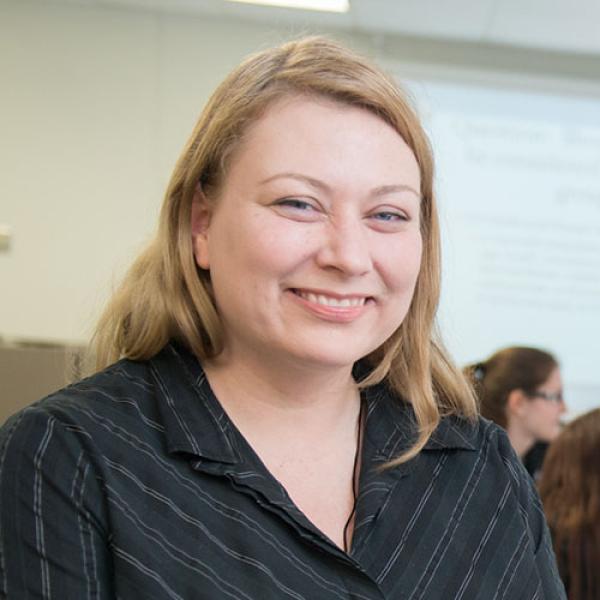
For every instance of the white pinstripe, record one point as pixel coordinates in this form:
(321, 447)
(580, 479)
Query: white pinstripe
(483, 542)
(37, 509)
(79, 501)
(119, 370)
(453, 521)
(15, 424)
(169, 400)
(125, 400)
(202, 568)
(422, 502)
(132, 560)
(519, 560)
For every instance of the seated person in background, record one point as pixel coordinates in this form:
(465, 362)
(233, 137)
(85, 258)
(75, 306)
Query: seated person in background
(282, 422)
(520, 389)
(570, 490)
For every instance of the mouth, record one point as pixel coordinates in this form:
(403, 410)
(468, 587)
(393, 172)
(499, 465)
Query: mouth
(332, 301)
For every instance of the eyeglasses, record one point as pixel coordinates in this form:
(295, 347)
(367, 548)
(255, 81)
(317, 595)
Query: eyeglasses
(556, 397)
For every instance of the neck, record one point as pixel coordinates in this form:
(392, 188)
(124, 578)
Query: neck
(260, 394)
(521, 441)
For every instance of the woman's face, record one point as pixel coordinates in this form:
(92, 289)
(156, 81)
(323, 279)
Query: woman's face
(542, 410)
(314, 243)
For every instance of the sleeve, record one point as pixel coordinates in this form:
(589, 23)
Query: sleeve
(551, 587)
(53, 533)
(551, 582)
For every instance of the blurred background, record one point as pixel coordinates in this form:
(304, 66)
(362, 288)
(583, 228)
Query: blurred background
(99, 96)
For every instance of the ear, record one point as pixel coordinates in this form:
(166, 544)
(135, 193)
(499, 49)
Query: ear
(200, 221)
(515, 402)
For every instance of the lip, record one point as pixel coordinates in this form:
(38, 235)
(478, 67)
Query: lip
(332, 306)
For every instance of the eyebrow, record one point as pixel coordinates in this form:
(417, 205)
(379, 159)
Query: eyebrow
(316, 183)
(391, 189)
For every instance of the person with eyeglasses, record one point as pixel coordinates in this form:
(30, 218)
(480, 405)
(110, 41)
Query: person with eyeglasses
(520, 388)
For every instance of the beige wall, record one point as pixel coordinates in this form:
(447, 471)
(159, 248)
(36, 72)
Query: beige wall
(30, 372)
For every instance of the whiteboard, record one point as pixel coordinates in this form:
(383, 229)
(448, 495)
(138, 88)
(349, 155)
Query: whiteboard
(518, 185)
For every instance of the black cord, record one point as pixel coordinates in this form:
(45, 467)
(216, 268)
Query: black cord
(354, 476)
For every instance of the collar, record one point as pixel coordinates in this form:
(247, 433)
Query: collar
(196, 424)
(194, 420)
(392, 426)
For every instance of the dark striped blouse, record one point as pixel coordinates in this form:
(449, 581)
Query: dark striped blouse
(134, 483)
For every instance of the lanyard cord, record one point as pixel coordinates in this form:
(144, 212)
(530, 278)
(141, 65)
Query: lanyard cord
(355, 478)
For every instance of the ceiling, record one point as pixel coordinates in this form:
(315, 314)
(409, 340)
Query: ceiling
(569, 26)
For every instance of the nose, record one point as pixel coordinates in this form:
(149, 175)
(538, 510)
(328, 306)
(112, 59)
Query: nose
(346, 247)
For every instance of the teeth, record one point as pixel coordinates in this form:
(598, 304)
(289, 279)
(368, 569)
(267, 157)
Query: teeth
(328, 301)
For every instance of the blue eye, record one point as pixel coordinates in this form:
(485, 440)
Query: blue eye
(296, 203)
(298, 209)
(389, 216)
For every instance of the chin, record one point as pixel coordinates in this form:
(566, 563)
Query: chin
(334, 362)
(340, 350)
(550, 437)
(339, 359)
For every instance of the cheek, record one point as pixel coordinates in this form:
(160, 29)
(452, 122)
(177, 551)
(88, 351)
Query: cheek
(551, 426)
(553, 415)
(543, 421)
(261, 254)
(400, 262)
(279, 253)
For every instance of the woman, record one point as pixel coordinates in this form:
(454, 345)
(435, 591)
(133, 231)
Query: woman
(570, 491)
(281, 422)
(520, 389)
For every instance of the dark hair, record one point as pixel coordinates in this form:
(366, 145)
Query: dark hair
(513, 368)
(570, 492)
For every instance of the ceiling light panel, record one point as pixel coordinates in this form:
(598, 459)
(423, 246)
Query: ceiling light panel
(339, 6)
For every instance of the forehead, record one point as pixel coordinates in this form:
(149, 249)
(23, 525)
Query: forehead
(318, 134)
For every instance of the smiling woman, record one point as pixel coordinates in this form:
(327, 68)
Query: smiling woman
(273, 415)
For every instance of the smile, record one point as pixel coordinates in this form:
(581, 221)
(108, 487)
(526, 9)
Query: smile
(332, 301)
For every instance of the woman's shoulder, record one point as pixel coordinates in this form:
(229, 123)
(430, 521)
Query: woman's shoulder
(490, 449)
(123, 390)
(495, 440)
(498, 467)
(454, 431)
(477, 433)
(492, 433)
(159, 404)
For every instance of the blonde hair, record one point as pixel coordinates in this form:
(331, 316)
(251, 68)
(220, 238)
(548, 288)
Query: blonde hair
(165, 296)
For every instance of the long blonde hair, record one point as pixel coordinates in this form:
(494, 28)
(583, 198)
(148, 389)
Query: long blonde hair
(165, 296)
